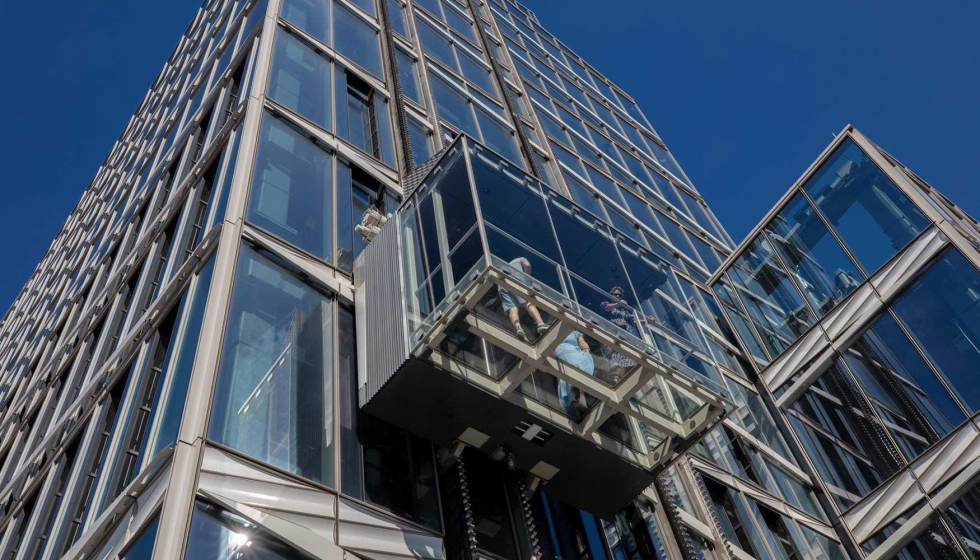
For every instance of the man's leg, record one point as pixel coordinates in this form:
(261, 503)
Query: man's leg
(514, 317)
(536, 315)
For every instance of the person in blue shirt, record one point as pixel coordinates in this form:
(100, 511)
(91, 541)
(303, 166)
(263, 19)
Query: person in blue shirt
(574, 351)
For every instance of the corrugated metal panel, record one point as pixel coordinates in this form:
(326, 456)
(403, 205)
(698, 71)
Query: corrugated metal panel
(387, 338)
(418, 174)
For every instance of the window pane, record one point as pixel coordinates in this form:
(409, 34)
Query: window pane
(823, 271)
(351, 476)
(179, 377)
(399, 473)
(499, 138)
(436, 44)
(291, 189)
(431, 5)
(409, 77)
(906, 394)
(665, 159)
(274, 397)
(941, 313)
(773, 302)
(312, 16)
(460, 24)
(476, 73)
(848, 446)
(397, 15)
(300, 79)
(356, 40)
(218, 534)
(869, 213)
(142, 547)
(366, 5)
(421, 141)
(453, 106)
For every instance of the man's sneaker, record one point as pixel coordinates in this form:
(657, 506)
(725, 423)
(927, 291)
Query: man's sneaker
(521, 334)
(542, 328)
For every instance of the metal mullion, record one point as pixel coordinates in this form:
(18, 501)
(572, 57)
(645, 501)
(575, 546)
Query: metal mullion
(137, 370)
(178, 504)
(183, 216)
(177, 342)
(42, 503)
(83, 461)
(100, 353)
(835, 439)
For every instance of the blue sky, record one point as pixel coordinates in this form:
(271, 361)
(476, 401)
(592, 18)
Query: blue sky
(746, 95)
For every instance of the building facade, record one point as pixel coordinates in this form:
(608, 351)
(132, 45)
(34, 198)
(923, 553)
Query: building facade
(856, 300)
(410, 279)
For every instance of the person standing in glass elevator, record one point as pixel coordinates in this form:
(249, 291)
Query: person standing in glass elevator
(574, 350)
(512, 304)
(619, 314)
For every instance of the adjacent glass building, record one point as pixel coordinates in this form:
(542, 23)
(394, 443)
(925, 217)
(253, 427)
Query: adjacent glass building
(856, 299)
(394, 279)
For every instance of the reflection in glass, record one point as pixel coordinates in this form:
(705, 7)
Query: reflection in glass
(907, 394)
(218, 534)
(843, 437)
(399, 472)
(940, 311)
(868, 212)
(776, 308)
(409, 75)
(453, 106)
(274, 396)
(292, 189)
(300, 79)
(142, 547)
(820, 267)
(357, 40)
(312, 16)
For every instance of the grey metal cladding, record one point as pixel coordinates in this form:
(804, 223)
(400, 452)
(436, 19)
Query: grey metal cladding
(387, 343)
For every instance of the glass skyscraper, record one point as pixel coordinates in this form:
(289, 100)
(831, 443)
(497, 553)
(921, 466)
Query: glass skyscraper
(394, 279)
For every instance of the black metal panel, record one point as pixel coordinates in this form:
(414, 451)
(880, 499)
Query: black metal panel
(439, 407)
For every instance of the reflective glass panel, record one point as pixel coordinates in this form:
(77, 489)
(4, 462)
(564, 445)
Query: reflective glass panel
(396, 14)
(409, 76)
(218, 534)
(941, 313)
(868, 212)
(844, 439)
(499, 137)
(274, 396)
(453, 106)
(300, 79)
(142, 547)
(819, 265)
(312, 16)
(917, 415)
(775, 306)
(357, 40)
(292, 192)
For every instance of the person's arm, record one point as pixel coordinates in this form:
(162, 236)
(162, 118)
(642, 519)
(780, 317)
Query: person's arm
(609, 305)
(583, 344)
